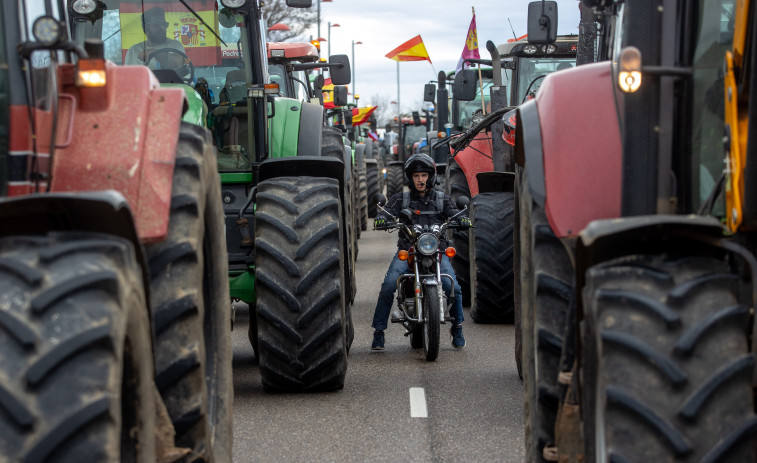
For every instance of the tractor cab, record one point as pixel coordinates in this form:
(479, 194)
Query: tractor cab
(283, 58)
(206, 48)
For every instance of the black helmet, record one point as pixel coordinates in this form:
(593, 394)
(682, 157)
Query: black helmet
(420, 162)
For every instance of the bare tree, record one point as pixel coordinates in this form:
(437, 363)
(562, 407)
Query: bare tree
(384, 111)
(298, 19)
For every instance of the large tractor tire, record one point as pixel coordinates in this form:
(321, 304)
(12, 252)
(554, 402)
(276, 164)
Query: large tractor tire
(76, 373)
(546, 285)
(666, 362)
(372, 186)
(189, 294)
(363, 200)
(301, 307)
(395, 179)
(491, 246)
(458, 186)
(332, 145)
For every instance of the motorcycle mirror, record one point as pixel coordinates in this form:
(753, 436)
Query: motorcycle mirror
(462, 202)
(407, 214)
(380, 199)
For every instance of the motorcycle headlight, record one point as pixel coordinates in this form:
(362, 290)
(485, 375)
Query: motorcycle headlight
(427, 244)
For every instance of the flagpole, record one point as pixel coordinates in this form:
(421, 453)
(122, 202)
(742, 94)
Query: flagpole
(399, 111)
(480, 79)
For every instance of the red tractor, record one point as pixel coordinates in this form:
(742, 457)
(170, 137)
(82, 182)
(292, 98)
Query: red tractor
(481, 158)
(635, 255)
(114, 302)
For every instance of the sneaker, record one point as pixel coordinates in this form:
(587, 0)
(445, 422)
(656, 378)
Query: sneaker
(458, 341)
(378, 340)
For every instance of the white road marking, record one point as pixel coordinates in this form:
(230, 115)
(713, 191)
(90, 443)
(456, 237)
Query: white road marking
(418, 403)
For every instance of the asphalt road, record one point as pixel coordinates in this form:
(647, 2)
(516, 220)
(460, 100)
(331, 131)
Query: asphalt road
(472, 397)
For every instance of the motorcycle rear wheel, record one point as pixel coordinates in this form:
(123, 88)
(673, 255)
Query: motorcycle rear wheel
(431, 315)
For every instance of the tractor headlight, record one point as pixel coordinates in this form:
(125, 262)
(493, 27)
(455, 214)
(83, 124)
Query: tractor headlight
(47, 30)
(428, 244)
(84, 7)
(233, 3)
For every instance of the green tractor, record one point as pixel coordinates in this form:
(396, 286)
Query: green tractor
(284, 203)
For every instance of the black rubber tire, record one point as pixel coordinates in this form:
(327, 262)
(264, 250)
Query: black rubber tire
(189, 294)
(491, 246)
(332, 144)
(301, 309)
(372, 185)
(76, 374)
(416, 337)
(546, 274)
(363, 182)
(432, 324)
(517, 256)
(395, 179)
(458, 186)
(667, 362)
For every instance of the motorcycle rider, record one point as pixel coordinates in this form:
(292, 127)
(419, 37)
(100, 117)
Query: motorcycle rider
(434, 207)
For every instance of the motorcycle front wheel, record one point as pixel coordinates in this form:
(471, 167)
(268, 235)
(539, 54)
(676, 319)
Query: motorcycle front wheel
(431, 322)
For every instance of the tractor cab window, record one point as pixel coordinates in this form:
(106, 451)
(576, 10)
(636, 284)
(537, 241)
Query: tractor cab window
(468, 110)
(532, 71)
(713, 37)
(278, 75)
(198, 43)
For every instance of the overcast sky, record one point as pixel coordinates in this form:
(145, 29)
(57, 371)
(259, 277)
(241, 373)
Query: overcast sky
(443, 24)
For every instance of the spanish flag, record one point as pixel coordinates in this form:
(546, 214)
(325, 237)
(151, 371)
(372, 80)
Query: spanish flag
(328, 94)
(412, 50)
(361, 115)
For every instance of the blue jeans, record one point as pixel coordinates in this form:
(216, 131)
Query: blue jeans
(389, 287)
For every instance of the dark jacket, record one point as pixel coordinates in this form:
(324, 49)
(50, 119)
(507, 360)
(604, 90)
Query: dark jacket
(426, 203)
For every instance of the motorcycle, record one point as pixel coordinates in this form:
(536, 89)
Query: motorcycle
(421, 301)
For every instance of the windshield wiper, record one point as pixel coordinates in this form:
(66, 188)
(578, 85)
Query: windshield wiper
(202, 21)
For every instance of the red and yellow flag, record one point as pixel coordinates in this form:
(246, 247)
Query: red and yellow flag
(328, 94)
(361, 115)
(412, 50)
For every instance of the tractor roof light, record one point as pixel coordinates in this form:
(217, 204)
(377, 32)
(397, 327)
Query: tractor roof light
(530, 49)
(629, 69)
(84, 7)
(277, 53)
(316, 44)
(233, 3)
(549, 49)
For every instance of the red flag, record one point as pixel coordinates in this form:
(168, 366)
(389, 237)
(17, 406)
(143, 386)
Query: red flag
(412, 50)
(361, 115)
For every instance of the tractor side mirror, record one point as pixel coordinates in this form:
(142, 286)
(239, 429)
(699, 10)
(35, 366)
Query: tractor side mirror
(465, 85)
(429, 92)
(348, 118)
(299, 3)
(340, 74)
(340, 96)
(542, 22)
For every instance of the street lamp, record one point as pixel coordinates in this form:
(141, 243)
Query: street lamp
(329, 40)
(319, 15)
(354, 89)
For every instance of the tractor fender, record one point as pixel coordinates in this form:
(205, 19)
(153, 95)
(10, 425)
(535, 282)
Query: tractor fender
(196, 110)
(311, 128)
(581, 174)
(607, 239)
(284, 127)
(105, 212)
(127, 144)
(476, 158)
(313, 166)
